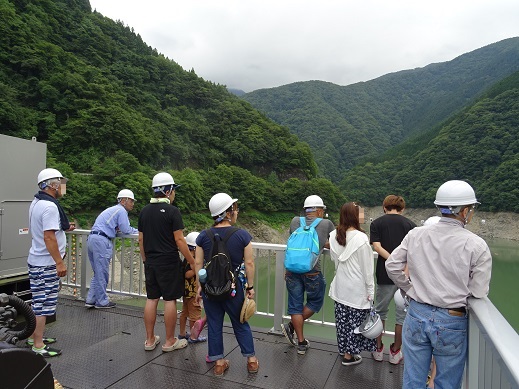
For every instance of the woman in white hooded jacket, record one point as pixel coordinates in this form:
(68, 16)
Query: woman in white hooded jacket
(353, 286)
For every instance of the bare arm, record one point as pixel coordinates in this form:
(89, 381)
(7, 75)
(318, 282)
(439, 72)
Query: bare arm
(141, 246)
(199, 261)
(182, 247)
(51, 243)
(248, 257)
(381, 251)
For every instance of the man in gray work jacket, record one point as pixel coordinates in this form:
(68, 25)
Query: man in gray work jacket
(447, 264)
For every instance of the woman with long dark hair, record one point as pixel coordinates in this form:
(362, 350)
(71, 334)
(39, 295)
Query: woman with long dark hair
(352, 288)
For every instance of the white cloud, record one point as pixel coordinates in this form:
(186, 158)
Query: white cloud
(252, 44)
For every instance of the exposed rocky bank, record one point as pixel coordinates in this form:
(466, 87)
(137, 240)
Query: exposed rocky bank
(502, 225)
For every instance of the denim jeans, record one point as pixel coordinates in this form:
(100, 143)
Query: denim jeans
(313, 284)
(215, 312)
(429, 331)
(99, 254)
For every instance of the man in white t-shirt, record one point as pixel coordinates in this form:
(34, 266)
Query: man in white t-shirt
(48, 223)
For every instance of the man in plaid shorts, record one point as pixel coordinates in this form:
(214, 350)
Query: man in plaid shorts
(48, 224)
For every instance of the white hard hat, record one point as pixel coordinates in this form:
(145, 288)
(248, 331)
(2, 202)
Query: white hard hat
(399, 300)
(47, 174)
(372, 326)
(314, 201)
(163, 179)
(432, 220)
(191, 238)
(219, 203)
(126, 193)
(455, 193)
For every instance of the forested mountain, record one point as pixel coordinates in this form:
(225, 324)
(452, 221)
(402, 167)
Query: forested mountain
(479, 145)
(110, 106)
(344, 124)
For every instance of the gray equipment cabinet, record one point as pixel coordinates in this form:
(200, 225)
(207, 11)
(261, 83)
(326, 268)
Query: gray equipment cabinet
(20, 162)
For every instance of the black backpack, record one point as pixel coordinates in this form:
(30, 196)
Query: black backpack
(221, 281)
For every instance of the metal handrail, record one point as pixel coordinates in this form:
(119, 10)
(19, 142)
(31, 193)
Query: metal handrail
(493, 361)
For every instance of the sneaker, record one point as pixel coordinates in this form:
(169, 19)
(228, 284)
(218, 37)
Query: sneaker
(46, 351)
(89, 305)
(395, 357)
(355, 360)
(288, 331)
(30, 341)
(302, 347)
(379, 354)
(107, 306)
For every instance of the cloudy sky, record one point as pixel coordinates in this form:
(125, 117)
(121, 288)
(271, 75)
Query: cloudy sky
(253, 44)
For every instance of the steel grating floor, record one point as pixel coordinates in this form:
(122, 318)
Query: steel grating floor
(104, 349)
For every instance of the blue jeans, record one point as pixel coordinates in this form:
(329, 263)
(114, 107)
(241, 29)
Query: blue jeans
(99, 254)
(215, 312)
(313, 284)
(429, 331)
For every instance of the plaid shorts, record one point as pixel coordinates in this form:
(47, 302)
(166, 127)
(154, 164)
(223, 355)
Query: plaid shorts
(44, 282)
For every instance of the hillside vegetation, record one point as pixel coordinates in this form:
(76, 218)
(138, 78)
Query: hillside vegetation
(115, 110)
(480, 144)
(346, 124)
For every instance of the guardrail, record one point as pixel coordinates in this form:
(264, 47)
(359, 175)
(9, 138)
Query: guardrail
(493, 361)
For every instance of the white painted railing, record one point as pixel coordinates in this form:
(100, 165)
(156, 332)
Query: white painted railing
(493, 360)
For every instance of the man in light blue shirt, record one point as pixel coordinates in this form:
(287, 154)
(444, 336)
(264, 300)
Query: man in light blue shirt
(100, 246)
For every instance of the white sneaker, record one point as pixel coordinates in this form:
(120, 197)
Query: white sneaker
(379, 354)
(395, 358)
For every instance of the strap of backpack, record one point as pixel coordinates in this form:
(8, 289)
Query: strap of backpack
(315, 222)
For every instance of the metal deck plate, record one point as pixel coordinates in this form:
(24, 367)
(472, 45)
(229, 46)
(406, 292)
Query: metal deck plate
(105, 349)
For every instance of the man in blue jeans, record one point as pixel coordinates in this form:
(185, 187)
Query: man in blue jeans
(311, 283)
(447, 264)
(100, 247)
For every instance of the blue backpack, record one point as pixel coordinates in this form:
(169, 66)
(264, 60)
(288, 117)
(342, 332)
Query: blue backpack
(303, 248)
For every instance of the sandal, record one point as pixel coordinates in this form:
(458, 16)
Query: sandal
(30, 341)
(150, 347)
(180, 343)
(47, 352)
(198, 327)
(186, 336)
(197, 340)
(253, 366)
(218, 370)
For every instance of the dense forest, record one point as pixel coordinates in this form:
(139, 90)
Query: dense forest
(113, 111)
(480, 145)
(346, 124)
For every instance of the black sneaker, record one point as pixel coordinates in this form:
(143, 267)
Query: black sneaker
(107, 306)
(355, 360)
(288, 331)
(302, 347)
(89, 305)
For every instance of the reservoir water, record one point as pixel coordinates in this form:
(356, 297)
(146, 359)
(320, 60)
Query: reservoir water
(503, 289)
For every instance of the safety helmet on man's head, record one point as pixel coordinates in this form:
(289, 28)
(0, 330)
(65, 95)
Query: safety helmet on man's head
(219, 203)
(49, 174)
(455, 193)
(125, 193)
(314, 201)
(163, 179)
